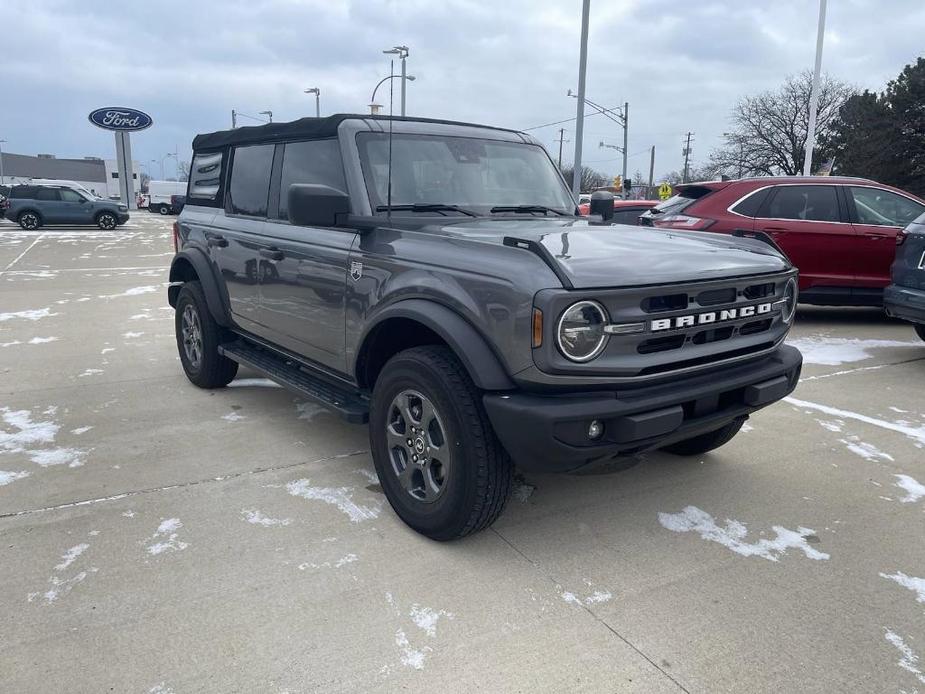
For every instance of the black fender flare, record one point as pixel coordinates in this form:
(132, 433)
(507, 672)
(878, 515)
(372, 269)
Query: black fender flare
(483, 365)
(203, 267)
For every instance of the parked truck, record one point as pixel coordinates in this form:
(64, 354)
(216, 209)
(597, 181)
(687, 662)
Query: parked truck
(159, 193)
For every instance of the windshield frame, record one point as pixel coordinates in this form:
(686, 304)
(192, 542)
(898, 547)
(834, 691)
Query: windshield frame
(565, 205)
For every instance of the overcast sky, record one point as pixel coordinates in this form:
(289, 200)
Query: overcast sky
(681, 66)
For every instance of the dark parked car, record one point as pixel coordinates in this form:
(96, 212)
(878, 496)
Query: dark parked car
(33, 206)
(905, 297)
(839, 232)
(176, 203)
(433, 279)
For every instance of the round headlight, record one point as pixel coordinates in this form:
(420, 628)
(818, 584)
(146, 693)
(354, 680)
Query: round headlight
(580, 333)
(790, 300)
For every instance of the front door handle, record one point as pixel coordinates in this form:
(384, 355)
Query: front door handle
(217, 241)
(877, 237)
(272, 253)
(774, 230)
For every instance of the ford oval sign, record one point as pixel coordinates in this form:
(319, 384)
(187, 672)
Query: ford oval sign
(117, 118)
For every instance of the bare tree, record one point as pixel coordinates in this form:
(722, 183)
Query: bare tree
(769, 130)
(590, 179)
(183, 169)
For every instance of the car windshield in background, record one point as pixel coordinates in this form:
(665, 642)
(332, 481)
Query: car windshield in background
(472, 174)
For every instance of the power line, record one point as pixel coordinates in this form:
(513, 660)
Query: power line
(599, 112)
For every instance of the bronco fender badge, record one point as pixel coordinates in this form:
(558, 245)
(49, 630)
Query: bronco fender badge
(356, 270)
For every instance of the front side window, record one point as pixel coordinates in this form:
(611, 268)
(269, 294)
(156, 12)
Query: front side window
(47, 194)
(805, 203)
(250, 180)
(883, 207)
(474, 174)
(205, 176)
(71, 196)
(317, 161)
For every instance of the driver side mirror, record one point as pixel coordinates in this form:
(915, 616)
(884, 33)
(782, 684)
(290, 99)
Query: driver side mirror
(315, 205)
(602, 204)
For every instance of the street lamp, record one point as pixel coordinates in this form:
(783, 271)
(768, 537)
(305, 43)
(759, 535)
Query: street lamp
(373, 106)
(1, 162)
(268, 114)
(317, 93)
(401, 52)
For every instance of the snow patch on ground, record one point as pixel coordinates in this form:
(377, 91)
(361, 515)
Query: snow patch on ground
(165, 538)
(370, 476)
(33, 314)
(61, 586)
(71, 556)
(410, 657)
(597, 596)
(343, 561)
(233, 417)
(833, 351)
(20, 434)
(90, 372)
(426, 619)
(835, 426)
(309, 410)
(131, 334)
(252, 515)
(915, 490)
(7, 477)
(732, 535)
(913, 583)
(917, 434)
(909, 660)
(341, 497)
(80, 430)
(868, 451)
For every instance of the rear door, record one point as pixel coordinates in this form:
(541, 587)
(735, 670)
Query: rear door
(238, 239)
(75, 208)
(48, 202)
(877, 216)
(303, 284)
(809, 224)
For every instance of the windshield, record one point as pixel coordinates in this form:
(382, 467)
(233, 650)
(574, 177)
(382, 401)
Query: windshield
(476, 175)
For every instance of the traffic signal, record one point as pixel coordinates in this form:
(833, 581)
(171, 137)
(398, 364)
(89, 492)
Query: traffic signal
(628, 185)
(618, 181)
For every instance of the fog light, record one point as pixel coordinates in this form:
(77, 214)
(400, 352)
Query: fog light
(595, 429)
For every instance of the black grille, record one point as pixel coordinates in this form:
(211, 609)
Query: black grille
(667, 302)
(759, 291)
(726, 295)
(660, 344)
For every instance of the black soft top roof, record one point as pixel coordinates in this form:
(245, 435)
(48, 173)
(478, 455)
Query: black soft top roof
(307, 128)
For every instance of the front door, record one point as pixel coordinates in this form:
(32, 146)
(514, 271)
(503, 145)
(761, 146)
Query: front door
(806, 221)
(75, 208)
(877, 216)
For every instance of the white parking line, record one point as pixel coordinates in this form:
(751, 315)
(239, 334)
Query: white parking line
(19, 257)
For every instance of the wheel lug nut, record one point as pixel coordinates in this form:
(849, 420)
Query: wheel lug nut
(409, 442)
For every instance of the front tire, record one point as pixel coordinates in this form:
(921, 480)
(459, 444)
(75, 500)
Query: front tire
(163, 209)
(30, 221)
(198, 338)
(440, 464)
(106, 221)
(920, 330)
(707, 442)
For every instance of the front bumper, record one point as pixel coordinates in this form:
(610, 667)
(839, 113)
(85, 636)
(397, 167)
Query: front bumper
(123, 217)
(548, 433)
(905, 303)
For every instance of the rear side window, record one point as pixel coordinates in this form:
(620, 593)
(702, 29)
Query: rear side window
(22, 192)
(883, 207)
(47, 194)
(686, 197)
(250, 180)
(316, 161)
(750, 205)
(205, 179)
(805, 203)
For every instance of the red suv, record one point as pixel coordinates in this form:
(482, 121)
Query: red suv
(840, 232)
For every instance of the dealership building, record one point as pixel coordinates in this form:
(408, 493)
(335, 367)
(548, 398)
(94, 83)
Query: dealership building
(99, 176)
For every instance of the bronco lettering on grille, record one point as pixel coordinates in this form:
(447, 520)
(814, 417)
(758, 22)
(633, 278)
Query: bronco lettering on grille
(694, 319)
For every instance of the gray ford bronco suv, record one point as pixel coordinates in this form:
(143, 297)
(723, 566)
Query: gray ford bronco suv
(433, 279)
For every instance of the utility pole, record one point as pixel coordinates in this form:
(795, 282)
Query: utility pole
(1, 160)
(561, 140)
(814, 97)
(234, 119)
(626, 127)
(580, 120)
(687, 155)
(317, 92)
(651, 172)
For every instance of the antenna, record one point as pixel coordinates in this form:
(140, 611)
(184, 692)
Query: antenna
(391, 92)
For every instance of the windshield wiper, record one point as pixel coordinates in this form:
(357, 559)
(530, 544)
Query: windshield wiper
(527, 208)
(426, 207)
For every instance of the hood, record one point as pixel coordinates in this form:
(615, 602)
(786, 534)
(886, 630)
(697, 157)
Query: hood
(629, 256)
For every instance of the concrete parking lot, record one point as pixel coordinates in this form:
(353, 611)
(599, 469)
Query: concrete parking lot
(159, 538)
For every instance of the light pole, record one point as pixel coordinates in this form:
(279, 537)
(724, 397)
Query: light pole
(814, 96)
(373, 106)
(268, 114)
(401, 52)
(580, 116)
(317, 92)
(1, 162)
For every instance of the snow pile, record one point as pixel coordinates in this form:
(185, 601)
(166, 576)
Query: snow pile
(832, 351)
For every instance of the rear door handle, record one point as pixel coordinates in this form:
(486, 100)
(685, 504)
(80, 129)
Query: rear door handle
(217, 241)
(774, 230)
(272, 253)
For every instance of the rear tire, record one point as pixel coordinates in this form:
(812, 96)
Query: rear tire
(919, 330)
(462, 476)
(30, 221)
(163, 209)
(706, 442)
(198, 338)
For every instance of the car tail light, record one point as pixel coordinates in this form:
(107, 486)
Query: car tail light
(901, 237)
(683, 221)
(176, 237)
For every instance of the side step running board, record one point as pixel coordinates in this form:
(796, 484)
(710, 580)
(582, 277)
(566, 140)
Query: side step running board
(348, 404)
